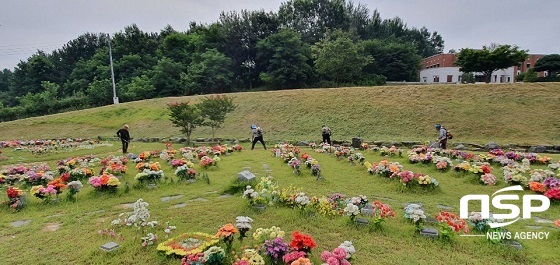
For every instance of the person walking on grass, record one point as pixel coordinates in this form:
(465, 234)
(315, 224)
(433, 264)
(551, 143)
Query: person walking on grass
(124, 135)
(442, 137)
(257, 136)
(326, 133)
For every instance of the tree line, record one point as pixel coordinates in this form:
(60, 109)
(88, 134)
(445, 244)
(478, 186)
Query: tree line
(306, 43)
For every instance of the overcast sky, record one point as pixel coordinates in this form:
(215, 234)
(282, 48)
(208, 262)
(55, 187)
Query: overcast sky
(26, 26)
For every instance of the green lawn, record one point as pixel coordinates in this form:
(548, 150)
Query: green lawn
(77, 240)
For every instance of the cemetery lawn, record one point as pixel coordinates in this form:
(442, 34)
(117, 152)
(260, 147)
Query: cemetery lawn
(76, 239)
(520, 113)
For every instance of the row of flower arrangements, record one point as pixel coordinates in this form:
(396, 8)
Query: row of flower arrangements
(43, 184)
(384, 168)
(290, 154)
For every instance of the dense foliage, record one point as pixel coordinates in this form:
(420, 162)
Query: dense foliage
(307, 43)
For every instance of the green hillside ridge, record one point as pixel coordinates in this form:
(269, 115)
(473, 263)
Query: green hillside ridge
(503, 113)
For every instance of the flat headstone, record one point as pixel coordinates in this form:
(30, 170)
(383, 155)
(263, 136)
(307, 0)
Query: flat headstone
(179, 205)
(362, 221)
(109, 246)
(225, 196)
(429, 232)
(266, 166)
(168, 198)
(126, 205)
(367, 212)
(514, 244)
(200, 200)
(51, 227)
(444, 207)
(245, 175)
(542, 220)
(20, 223)
(214, 191)
(191, 181)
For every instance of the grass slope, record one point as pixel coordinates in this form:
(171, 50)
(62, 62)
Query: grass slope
(504, 113)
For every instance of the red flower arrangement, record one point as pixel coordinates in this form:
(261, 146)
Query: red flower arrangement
(14, 192)
(453, 221)
(302, 242)
(486, 169)
(553, 194)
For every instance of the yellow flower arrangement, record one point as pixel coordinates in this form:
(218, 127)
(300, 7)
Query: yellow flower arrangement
(187, 243)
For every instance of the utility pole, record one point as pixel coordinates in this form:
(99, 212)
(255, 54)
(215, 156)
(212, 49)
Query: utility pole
(115, 98)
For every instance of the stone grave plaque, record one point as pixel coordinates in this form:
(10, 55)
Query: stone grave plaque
(245, 175)
(109, 246)
(514, 244)
(429, 232)
(362, 221)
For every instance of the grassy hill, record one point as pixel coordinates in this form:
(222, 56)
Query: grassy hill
(504, 113)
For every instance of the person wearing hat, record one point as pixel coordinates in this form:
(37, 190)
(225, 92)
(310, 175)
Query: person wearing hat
(124, 135)
(326, 133)
(257, 135)
(442, 138)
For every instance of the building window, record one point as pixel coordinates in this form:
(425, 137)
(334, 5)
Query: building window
(545, 73)
(449, 78)
(518, 71)
(437, 65)
(436, 78)
(528, 65)
(495, 78)
(425, 79)
(509, 79)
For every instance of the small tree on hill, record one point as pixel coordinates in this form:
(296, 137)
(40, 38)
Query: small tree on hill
(186, 117)
(490, 59)
(214, 110)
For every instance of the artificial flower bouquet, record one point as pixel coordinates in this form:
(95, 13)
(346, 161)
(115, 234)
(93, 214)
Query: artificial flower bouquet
(415, 213)
(450, 224)
(16, 198)
(104, 182)
(187, 244)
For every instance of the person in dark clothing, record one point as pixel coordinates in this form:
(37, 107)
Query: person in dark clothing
(257, 136)
(442, 137)
(326, 132)
(124, 135)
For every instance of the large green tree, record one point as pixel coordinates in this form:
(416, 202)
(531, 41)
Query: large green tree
(490, 59)
(338, 58)
(210, 74)
(286, 59)
(395, 60)
(550, 63)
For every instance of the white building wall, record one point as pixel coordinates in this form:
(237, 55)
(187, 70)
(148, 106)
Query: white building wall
(428, 75)
(431, 75)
